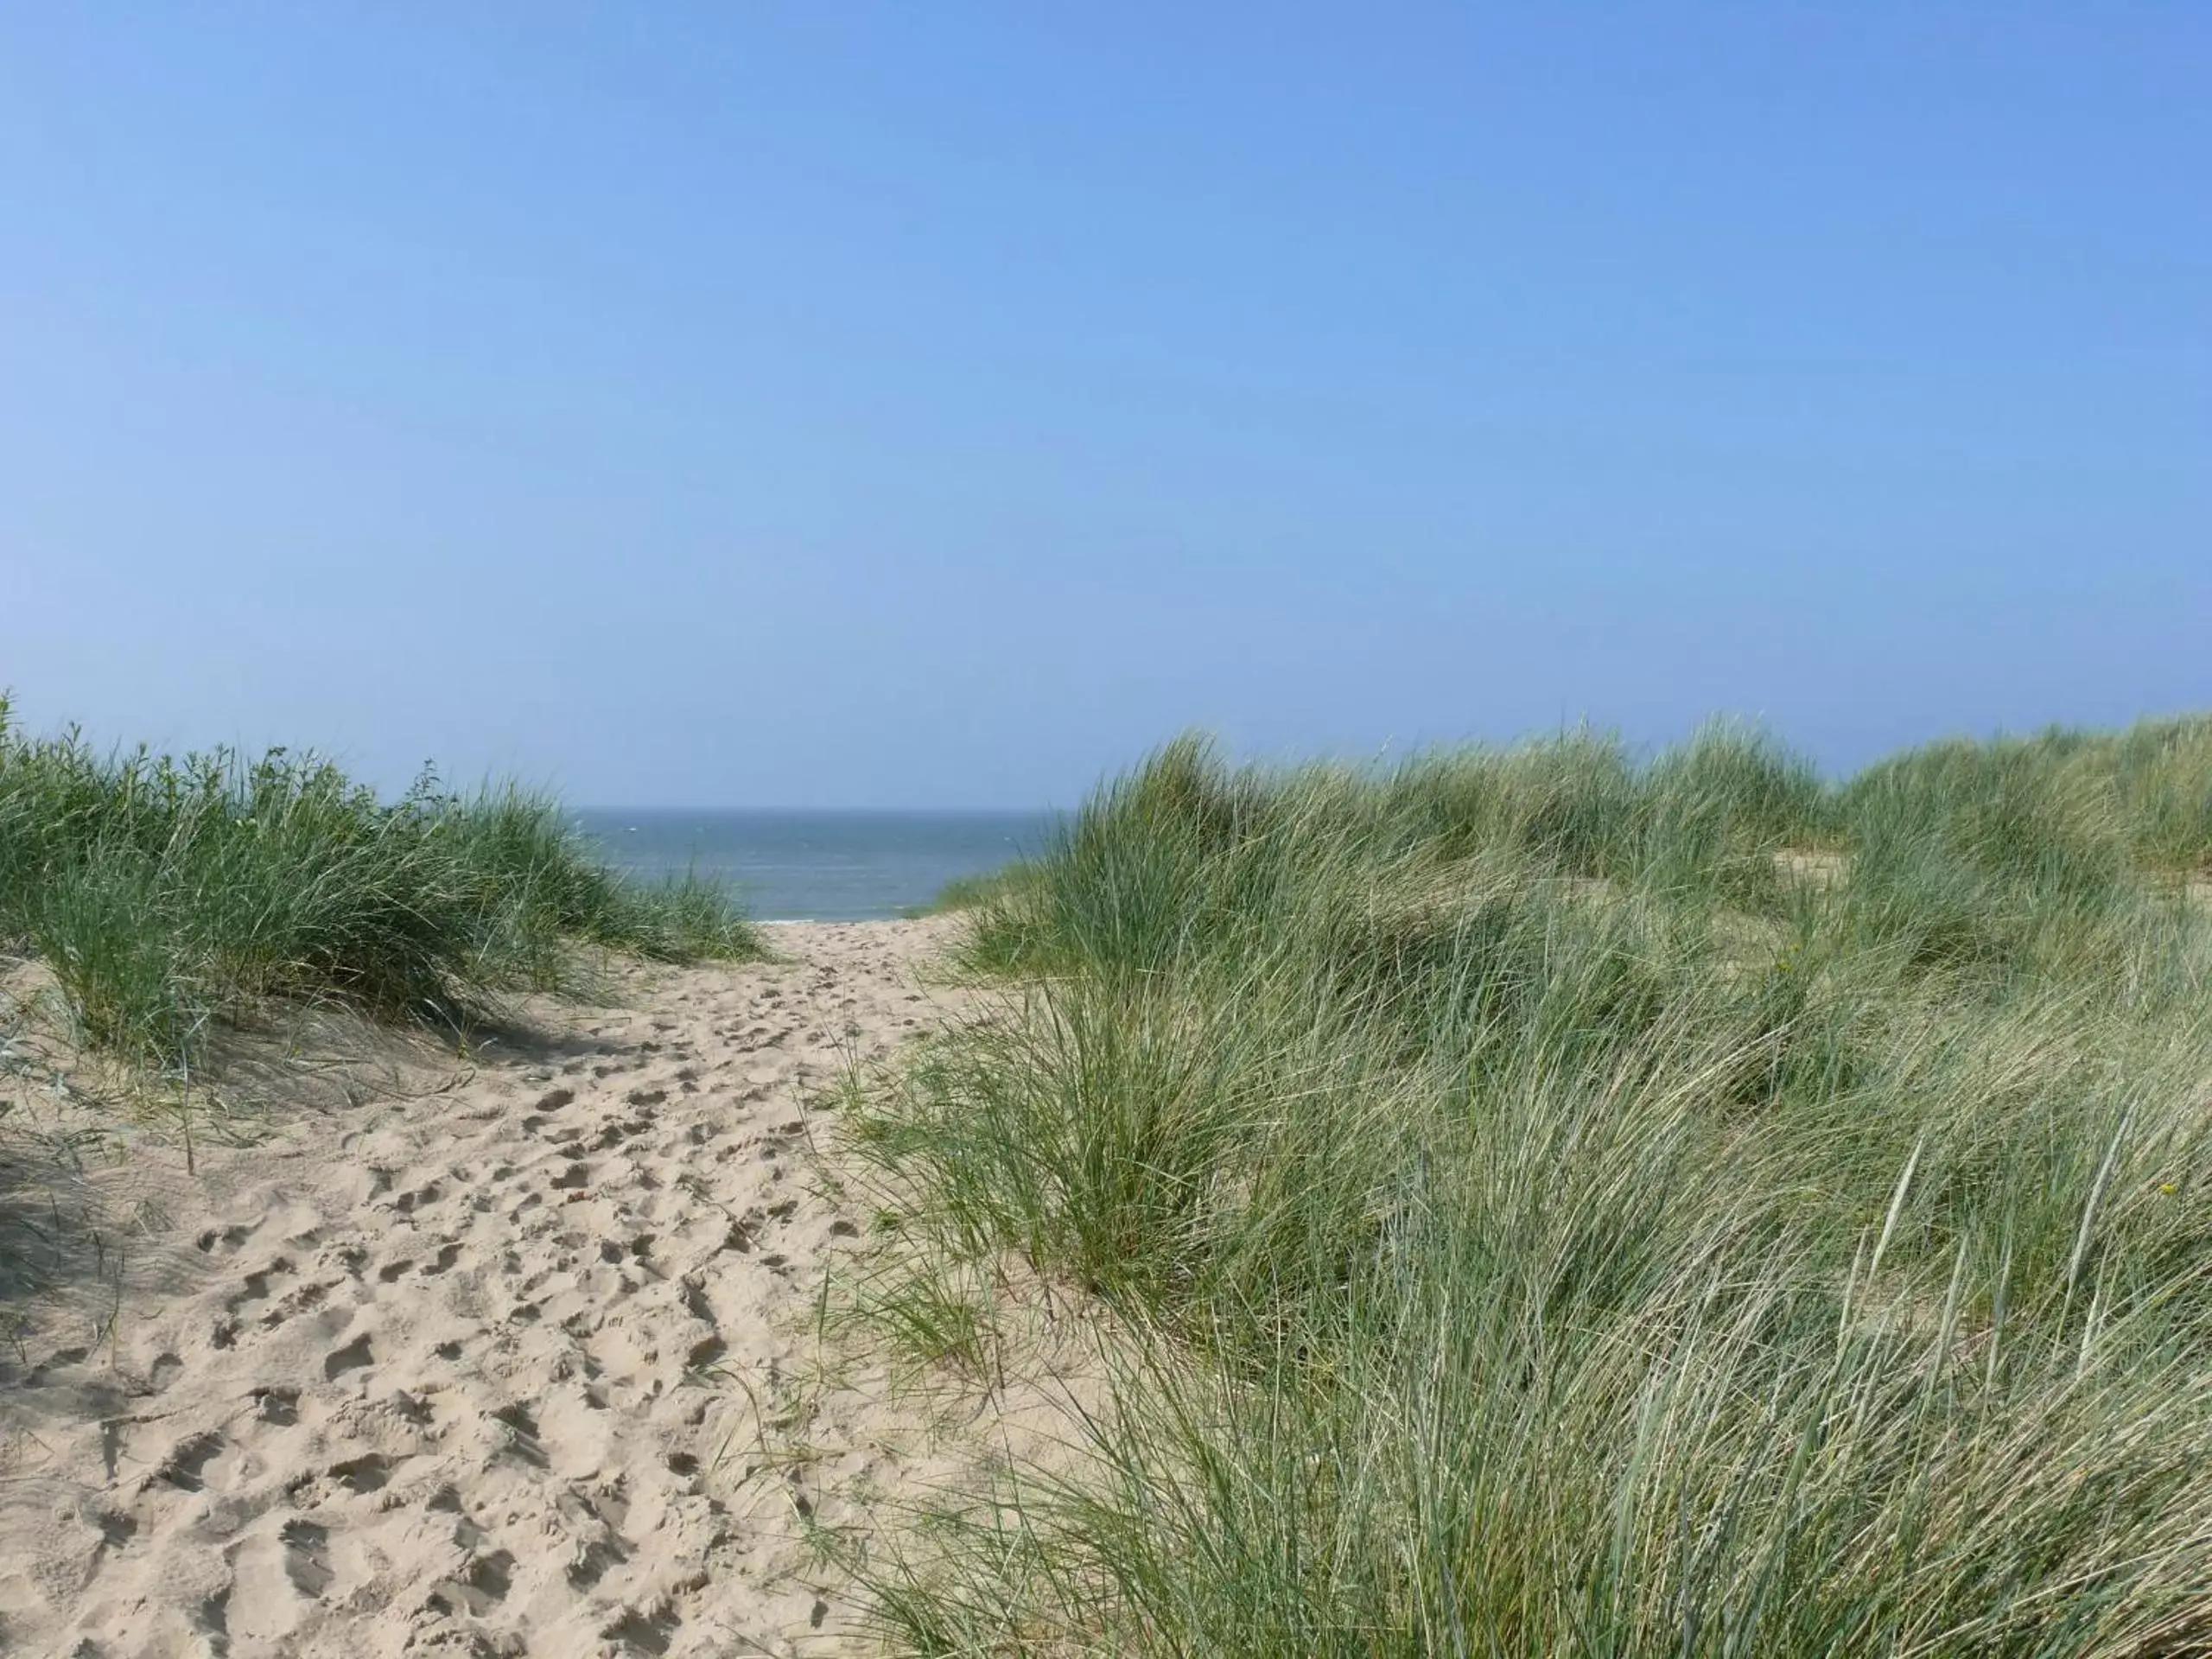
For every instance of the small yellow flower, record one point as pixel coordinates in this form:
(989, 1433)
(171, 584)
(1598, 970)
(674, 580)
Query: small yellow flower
(2167, 1188)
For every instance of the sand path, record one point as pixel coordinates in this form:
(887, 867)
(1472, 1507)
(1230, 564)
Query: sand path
(488, 1371)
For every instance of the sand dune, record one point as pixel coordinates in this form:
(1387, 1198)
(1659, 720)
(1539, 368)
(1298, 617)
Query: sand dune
(486, 1371)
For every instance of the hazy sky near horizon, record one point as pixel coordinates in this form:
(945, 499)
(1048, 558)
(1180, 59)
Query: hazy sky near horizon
(936, 405)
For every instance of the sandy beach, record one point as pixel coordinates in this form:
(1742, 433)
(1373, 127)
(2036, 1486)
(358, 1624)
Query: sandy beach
(491, 1364)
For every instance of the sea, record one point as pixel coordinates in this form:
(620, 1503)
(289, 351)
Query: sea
(817, 867)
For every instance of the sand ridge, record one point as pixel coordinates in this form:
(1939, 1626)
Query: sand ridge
(483, 1371)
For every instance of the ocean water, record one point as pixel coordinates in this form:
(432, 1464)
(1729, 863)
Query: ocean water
(817, 867)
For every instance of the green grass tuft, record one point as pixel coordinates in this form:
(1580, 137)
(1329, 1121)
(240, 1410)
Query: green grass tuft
(1556, 1222)
(170, 896)
(969, 892)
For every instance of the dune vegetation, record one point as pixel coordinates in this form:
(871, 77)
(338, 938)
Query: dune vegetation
(968, 893)
(172, 897)
(1556, 1202)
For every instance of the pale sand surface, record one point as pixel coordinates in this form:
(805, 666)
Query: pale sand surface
(498, 1364)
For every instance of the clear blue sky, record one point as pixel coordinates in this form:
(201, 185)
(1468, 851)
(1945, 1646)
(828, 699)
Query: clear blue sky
(937, 404)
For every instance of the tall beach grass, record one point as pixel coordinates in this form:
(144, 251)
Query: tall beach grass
(170, 896)
(1565, 1203)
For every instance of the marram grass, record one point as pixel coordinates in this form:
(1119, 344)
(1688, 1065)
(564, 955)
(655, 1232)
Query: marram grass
(171, 896)
(1572, 1205)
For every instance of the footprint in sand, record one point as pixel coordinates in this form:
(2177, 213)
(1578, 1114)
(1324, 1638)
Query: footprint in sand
(371, 1472)
(353, 1357)
(307, 1557)
(276, 1405)
(183, 1467)
(547, 1400)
